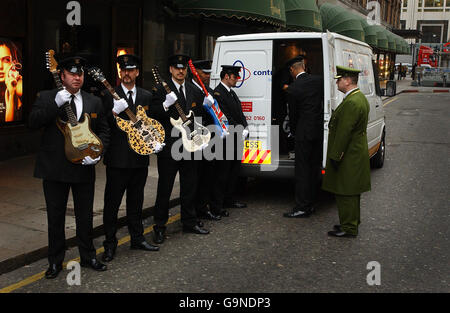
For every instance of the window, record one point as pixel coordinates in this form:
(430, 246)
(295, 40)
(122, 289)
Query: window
(431, 34)
(434, 3)
(405, 3)
(402, 24)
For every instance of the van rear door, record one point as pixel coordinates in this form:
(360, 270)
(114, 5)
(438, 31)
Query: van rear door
(254, 90)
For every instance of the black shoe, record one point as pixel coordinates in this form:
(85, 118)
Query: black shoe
(340, 233)
(108, 255)
(337, 227)
(196, 230)
(236, 205)
(53, 271)
(200, 223)
(94, 264)
(224, 213)
(208, 215)
(144, 246)
(158, 236)
(299, 213)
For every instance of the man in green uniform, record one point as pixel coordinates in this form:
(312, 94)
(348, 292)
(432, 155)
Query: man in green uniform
(347, 169)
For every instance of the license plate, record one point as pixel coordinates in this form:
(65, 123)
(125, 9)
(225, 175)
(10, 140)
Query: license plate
(252, 145)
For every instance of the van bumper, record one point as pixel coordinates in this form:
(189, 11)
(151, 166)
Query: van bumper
(282, 169)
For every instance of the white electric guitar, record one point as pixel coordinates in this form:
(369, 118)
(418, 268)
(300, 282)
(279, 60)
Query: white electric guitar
(193, 134)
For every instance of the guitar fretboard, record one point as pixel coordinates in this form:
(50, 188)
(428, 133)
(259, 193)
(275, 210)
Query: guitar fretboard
(117, 97)
(177, 104)
(66, 106)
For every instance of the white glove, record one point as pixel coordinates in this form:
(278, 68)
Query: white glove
(62, 97)
(171, 98)
(209, 101)
(244, 134)
(90, 161)
(159, 147)
(120, 105)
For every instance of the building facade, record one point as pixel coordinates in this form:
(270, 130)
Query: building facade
(432, 18)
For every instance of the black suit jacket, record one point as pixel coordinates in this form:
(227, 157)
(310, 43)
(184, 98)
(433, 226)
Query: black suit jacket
(194, 102)
(119, 153)
(230, 106)
(51, 162)
(305, 100)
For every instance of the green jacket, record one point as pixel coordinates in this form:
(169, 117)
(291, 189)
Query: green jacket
(347, 144)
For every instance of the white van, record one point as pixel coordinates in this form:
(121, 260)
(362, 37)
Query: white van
(263, 57)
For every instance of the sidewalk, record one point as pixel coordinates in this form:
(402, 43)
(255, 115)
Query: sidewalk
(23, 216)
(404, 86)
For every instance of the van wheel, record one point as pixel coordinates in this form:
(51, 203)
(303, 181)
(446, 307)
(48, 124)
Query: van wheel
(377, 161)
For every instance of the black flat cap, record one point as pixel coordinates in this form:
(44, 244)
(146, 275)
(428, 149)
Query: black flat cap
(231, 69)
(72, 63)
(178, 60)
(298, 58)
(128, 61)
(204, 65)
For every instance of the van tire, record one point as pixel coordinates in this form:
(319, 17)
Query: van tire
(377, 161)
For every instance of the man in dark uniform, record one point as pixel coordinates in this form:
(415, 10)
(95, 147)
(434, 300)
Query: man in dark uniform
(305, 99)
(205, 168)
(348, 168)
(126, 170)
(162, 109)
(227, 170)
(58, 174)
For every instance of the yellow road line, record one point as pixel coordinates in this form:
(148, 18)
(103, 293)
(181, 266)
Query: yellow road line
(36, 277)
(390, 101)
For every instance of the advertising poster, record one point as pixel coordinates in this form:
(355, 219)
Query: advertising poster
(11, 84)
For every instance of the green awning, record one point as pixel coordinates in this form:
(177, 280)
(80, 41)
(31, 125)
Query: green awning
(267, 11)
(398, 44)
(370, 32)
(339, 20)
(303, 15)
(391, 41)
(382, 40)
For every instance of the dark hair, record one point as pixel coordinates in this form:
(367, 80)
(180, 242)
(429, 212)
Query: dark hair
(15, 53)
(354, 80)
(222, 74)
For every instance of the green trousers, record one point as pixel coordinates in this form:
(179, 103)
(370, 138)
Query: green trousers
(349, 213)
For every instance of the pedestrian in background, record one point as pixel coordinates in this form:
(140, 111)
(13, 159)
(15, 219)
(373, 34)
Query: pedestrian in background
(347, 172)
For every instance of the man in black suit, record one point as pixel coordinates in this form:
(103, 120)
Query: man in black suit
(305, 100)
(162, 109)
(126, 170)
(227, 169)
(206, 175)
(58, 174)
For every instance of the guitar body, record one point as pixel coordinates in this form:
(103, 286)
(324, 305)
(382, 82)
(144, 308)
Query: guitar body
(79, 140)
(142, 134)
(219, 118)
(193, 134)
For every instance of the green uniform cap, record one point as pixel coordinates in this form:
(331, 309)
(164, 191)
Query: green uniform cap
(342, 71)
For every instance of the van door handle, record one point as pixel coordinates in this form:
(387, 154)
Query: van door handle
(377, 105)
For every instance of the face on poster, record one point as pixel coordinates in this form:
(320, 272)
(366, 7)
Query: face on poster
(11, 83)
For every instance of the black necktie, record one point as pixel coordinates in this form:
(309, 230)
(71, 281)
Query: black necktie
(73, 106)
(182, 98)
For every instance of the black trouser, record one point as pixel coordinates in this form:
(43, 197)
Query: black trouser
(226, 173)
(167, 170)
(117, 181)
(206, 178)
(56, 195)
(308, 154)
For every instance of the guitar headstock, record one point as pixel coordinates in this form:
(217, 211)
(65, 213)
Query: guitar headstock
(52, 65)
(156, 75)
(96, 74)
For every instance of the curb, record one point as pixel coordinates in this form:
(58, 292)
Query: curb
(41, 253)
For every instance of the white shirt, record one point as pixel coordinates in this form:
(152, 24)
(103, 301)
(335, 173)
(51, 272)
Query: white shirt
(349, 92)
(299, 74)
(133, 94)
(78, 104)
(177, 85)
(195, 83)
(226, 87)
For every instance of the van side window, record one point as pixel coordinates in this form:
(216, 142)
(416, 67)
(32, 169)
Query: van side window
(365, 80)
(376, 77)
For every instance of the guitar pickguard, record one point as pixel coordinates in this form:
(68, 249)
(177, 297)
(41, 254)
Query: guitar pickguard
(193, 134)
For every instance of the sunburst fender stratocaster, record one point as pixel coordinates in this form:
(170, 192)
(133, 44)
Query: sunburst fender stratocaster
(80, 140)
(193, 135)
(143, 132)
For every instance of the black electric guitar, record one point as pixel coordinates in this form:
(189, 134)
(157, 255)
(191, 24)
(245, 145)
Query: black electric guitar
(143, 132)
(193, 135)
(80, 140)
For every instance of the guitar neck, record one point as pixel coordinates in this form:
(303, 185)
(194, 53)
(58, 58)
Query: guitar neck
(177, 104)
(130, 114)
(70, 115)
